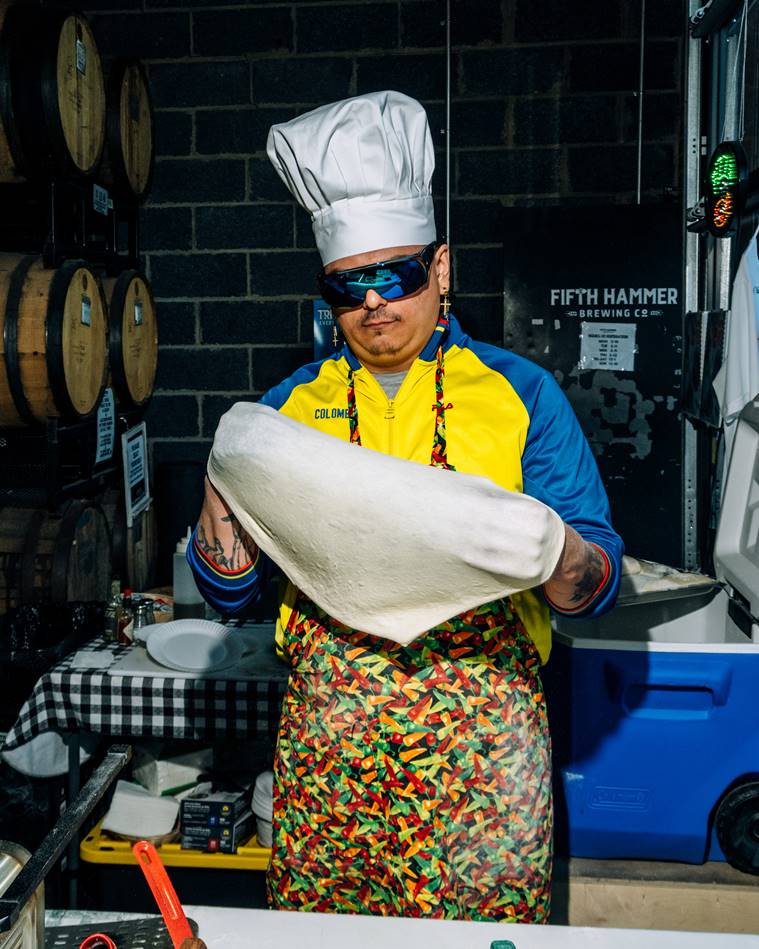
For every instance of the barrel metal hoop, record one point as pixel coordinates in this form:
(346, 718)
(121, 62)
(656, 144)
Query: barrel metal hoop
(29, 555)
(10, 338)
(55, 140)
(7, 113)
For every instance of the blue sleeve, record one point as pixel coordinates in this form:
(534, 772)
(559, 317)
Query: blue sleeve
(228, 591)
(559, 469)
(276, 397)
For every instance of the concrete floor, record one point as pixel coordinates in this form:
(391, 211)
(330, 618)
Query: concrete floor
(712, 897)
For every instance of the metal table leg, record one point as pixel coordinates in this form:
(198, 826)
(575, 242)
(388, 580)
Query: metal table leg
(73, 782)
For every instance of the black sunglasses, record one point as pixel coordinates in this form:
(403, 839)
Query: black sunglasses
(391, 279)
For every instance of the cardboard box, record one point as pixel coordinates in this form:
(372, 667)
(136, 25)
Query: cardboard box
(221, 839)
(221, 807)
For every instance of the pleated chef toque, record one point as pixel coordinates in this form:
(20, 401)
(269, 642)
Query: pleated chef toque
(362, 168)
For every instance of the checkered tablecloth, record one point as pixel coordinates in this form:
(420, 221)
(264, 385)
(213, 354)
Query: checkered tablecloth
(68, 700)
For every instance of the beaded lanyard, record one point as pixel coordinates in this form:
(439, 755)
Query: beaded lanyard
(439, 455)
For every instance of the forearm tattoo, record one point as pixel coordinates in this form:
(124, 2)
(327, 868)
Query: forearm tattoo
(591, 577)
(241, 552)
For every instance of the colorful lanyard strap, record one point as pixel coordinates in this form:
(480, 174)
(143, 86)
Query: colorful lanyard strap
(439, 454)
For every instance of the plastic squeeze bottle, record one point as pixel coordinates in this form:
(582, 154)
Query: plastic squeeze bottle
(188, 603)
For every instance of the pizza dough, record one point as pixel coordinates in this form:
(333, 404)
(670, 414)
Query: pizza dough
(385, 546)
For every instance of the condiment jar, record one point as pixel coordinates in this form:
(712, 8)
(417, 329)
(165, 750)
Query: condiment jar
(143, 616)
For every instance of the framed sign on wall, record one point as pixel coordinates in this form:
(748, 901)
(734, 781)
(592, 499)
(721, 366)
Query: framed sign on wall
(594, 295)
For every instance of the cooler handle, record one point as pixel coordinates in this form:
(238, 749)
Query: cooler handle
(675, 684)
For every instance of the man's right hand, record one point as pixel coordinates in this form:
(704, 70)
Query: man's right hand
(220, 536)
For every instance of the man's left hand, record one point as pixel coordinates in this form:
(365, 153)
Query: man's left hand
(578, 576)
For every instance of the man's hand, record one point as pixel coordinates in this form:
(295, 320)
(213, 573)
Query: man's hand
(578, 574)
(220, 536)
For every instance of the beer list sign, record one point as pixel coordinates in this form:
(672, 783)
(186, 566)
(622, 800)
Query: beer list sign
(605, 345)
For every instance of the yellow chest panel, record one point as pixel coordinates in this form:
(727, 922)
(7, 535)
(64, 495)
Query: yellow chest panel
(486, 431)
(486, 423)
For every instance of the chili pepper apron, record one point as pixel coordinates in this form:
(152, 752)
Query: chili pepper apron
(413, 780)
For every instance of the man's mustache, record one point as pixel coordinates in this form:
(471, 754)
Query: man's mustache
(382, 314)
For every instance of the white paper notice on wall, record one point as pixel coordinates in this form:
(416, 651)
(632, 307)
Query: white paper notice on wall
(106, 427)
(607, 346)
(135, 458)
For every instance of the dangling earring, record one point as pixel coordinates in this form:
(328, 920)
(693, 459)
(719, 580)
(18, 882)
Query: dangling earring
(335, 339)
(445, 303)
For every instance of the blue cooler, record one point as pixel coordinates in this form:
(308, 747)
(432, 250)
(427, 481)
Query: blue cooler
(655, 707)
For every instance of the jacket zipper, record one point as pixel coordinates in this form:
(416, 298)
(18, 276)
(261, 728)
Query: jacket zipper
(390, 417)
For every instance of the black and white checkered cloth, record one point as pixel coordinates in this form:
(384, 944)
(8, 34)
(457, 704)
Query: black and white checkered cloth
(68, 700)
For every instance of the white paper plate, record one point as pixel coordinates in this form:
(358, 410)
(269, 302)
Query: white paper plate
(141, 635)
(195, 645)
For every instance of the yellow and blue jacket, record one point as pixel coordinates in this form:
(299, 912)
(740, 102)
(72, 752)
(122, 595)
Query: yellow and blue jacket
(506, 419)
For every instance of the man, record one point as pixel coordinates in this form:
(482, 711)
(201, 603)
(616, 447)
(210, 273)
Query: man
(414, 780)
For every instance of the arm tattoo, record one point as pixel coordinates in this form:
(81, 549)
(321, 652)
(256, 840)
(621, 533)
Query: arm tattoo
(588, 582)
(238, 556)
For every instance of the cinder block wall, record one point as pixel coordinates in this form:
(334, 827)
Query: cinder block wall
(545, 110)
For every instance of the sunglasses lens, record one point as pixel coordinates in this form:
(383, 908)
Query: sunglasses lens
(391, 281)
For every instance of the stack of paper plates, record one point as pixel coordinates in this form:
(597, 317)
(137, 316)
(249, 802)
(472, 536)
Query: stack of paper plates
(195, 645)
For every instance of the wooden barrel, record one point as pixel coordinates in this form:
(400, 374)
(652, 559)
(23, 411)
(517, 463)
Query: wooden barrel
(54, 558)
(52, 94)
(127, 167)
(134, 550)
(132, 337)
(112, 505)
(53, 341)
(10, 145)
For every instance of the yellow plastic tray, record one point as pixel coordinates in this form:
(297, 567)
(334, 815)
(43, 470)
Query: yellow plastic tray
(95, 848)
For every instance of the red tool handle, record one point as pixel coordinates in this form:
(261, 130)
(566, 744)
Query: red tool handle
(163, 892)
(98, 941)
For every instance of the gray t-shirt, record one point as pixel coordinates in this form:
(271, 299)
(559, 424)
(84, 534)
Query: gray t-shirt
(391, 381)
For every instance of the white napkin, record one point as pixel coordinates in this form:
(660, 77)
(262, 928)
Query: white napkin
(90, 659)
(138, 814)
(383, 545)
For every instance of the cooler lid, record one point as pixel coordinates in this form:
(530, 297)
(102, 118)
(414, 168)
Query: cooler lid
(736, 548)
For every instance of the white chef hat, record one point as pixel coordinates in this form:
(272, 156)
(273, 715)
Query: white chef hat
(362, 168)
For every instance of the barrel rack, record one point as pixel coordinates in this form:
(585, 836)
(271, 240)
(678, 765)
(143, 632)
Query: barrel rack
(65, 219)
(70, 219)
(56, 462)
(86, 221)
(62, 205)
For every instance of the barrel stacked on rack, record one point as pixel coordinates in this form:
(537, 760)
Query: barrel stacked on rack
(54, 340)
(132, 338)
(52, 93)
(76, 321)
(53, 557)
(127, 166)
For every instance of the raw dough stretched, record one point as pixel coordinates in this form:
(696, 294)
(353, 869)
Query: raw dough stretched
(385, 546)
